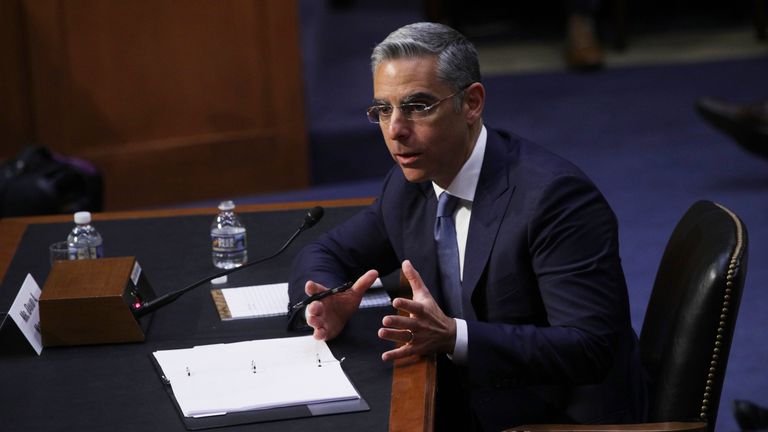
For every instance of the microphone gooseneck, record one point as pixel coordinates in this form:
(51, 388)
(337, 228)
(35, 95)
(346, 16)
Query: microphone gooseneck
(312, 217)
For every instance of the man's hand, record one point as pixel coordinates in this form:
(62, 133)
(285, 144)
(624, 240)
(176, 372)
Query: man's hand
(329, 315)
(426, 329)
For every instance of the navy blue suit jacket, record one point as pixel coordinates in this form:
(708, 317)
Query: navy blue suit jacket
(550, 337)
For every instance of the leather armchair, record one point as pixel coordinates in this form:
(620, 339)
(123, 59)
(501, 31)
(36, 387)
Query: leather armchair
(688, 326)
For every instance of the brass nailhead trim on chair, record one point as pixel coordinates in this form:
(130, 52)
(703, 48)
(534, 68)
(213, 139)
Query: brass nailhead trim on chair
(733, 267)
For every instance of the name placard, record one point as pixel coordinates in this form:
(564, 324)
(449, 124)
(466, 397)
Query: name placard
(25, 312)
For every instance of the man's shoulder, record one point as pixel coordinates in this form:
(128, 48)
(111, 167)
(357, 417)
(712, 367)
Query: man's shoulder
(527, 160)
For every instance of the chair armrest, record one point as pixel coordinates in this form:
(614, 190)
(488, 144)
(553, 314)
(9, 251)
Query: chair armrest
(635, 427)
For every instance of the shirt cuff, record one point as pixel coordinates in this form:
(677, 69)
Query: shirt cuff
(461, 347)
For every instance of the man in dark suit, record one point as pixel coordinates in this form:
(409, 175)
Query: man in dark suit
(518, 288)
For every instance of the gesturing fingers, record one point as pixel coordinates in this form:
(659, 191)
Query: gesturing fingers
(411, 307)
(311, 288)
(400, 322)
(365, 281)
(420, 291)
(403, 336)
(399, 352)
(316, 320)
(315, 308)
(424, 330)
(413, 277)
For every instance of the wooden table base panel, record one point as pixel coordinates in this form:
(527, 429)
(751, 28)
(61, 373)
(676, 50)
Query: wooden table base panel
(413, 394)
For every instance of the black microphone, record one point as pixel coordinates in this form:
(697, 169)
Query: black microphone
(140, 309)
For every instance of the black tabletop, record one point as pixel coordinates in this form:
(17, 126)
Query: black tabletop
(115, 386)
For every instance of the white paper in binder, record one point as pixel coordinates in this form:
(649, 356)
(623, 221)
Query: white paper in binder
(222, 378)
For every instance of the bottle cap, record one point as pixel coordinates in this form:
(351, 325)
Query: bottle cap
(83, 217)
(226, 205)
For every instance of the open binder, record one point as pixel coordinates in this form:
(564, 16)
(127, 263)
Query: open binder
(256, 381)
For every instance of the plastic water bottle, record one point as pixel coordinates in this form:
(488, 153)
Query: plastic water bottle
(84, 242)
(228, 238)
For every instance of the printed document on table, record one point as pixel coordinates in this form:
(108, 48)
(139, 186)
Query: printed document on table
(272, 300)
(222, 378)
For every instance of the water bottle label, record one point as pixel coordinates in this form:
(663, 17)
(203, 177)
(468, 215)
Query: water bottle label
(78, 253)
(228, 243)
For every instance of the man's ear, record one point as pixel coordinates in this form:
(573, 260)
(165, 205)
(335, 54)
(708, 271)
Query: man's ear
(474, 101)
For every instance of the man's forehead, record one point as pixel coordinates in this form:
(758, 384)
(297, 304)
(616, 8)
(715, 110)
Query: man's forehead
(406, 69)
(404, 79)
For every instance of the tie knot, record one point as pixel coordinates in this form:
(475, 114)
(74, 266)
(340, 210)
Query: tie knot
(446, 205)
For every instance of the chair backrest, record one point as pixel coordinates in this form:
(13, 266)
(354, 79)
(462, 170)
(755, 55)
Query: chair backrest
(691, 315)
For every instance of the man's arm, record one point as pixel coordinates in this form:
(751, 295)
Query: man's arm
(343, 254)
(346, 253)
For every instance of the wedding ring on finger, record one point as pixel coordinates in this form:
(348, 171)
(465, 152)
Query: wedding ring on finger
(411, 334)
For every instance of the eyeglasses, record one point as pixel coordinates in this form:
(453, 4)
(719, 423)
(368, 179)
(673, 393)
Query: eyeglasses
(382, 113)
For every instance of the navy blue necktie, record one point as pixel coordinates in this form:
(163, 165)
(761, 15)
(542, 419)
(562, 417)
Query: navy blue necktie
(448, 254)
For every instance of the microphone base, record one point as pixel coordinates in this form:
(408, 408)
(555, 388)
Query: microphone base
(87, 302)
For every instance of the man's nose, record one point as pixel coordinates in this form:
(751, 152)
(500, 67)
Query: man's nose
(399, 126)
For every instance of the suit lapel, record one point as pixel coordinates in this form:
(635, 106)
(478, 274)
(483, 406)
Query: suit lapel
(488, 208)
(419, 221)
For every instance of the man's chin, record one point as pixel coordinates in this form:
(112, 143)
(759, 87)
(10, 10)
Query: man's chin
(414, 175)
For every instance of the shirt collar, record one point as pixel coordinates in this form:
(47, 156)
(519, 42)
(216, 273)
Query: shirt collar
(465, 183)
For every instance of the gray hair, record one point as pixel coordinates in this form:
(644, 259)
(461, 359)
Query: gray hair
(457, 64)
